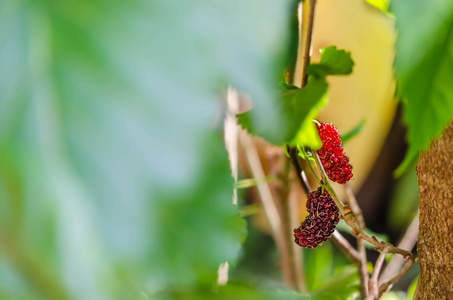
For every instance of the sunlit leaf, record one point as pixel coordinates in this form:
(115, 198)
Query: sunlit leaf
(298, 107)
(333, 62)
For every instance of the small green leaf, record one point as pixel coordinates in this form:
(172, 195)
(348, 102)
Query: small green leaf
(287, 86)
(291, 121)
(249, 210)
(333, 62)
(250, 182)
(353, 132)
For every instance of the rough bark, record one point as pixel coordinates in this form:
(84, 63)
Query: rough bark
(435, 244)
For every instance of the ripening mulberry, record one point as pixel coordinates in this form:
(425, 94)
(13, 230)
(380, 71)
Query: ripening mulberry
(320, 223)
(335, 162)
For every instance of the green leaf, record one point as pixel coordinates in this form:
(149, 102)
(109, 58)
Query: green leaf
(251, 182)
(382, 5)
(342, 285)
(318, 265)
(353, 132)
(412, 288)
(233, 290)
(404, 201)
(424, 69)
(115, 179)
(333, 62)
(291, 122)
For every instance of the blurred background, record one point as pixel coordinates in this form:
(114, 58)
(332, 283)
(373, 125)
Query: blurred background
(114, 178)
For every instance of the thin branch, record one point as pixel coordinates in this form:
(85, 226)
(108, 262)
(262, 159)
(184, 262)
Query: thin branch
(304, 178)
(363, 270)
(292, 151)
(346, 248)
(407, 242)
(311, 18)
(373, 286)
(287, 217)
(263, 189)
(386, 286)
(352, 201)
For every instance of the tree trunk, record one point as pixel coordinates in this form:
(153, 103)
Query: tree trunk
(435, 244)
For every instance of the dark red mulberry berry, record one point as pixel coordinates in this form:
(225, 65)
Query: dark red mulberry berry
(335, 162)
(320, 223)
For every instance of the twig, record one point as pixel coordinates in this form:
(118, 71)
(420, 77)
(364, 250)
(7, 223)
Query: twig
(311, 18)
(386, 286)
(346, 248)
(352, 201)
(263, 189)
(363, 270)
(407, 242)
(287, 217)
(292, 151)
(373, 286)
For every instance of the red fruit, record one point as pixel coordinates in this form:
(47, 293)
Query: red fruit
(335, 162)
(320, 223)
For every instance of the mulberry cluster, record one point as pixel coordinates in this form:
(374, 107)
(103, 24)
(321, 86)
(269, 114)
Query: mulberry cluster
(335, 162)
(320, 223)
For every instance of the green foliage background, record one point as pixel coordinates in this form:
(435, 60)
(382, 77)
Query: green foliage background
(114, 181)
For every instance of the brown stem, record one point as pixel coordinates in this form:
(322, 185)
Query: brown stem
(264, 191)
(407, 242)
(386, 286)
(311, 18)
(292, 151)
(373, 286)
(293, 254)
(352, 201)
(363, 271)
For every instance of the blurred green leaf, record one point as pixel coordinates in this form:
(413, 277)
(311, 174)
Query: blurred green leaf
(333, 62)
(250, 209)
(342, 285)
(251, 182)
(353, 132)
(318, 265)
(234, 290)
(121, 184)
(298, 107)
(424, 69)
(412, 288)
(403, 201)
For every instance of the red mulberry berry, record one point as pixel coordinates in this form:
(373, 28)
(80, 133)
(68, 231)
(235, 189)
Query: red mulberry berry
(321, 221)
(335, 162)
